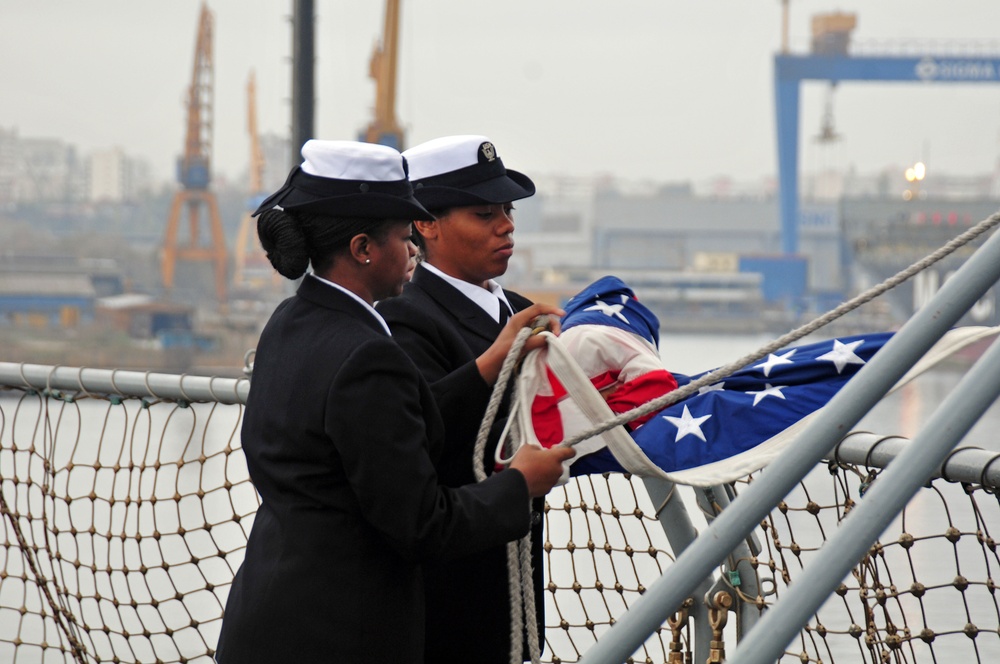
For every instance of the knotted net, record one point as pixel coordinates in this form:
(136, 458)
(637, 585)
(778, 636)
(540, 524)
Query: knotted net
(125, 520)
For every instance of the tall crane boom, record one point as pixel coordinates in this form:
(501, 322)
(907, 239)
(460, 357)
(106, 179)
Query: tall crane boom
(194, 173)
(384, 128)
(193, 168)
(256, 153)
(251, 269)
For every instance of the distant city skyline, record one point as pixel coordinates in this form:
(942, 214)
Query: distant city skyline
(646, 90)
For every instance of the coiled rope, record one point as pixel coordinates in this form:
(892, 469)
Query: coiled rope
(518, 553)
(519, 572)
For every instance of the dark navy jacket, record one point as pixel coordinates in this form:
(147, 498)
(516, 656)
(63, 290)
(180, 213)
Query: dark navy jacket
(341, 434)
(443, 331)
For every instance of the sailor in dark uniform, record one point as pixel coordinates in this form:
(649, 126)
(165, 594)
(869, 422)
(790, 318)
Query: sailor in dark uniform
(341, 434)
(448, 320)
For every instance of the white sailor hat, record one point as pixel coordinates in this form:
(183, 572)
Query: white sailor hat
(463, 170)
(349, 179)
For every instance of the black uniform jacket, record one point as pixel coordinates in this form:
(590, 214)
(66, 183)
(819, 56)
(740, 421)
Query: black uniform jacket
(341, 433)
(443, 331)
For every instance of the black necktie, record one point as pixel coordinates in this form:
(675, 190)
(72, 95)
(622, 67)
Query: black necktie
(504, 314)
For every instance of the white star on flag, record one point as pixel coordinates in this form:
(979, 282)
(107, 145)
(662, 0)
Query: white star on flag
(609, 309)
(686, 424)
(768, 391)
(843, 354)
(775, 360)
(725, 431)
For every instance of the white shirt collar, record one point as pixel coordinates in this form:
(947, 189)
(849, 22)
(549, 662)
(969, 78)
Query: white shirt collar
(367, 306)
(488, 300)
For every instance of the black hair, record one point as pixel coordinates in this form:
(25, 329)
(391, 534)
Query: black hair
(294, 239)
(418, 239)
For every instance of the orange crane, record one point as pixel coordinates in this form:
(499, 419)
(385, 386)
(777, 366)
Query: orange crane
(385, 129)
(256, 153)
(250, 265)
(194, 174)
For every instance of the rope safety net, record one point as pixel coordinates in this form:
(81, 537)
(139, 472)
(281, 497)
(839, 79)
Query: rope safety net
(125, 520)
(124, 524)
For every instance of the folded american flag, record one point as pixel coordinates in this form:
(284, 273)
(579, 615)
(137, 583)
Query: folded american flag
(727, 429)
(737, 425)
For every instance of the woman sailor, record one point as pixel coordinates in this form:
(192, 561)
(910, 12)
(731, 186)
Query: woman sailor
(341, 434)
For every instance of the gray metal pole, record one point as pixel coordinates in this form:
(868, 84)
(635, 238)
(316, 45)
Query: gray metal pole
(915, 338)
(303, 76)
(966, 464)
(747, 614)
(880, 505)
(676, 523)
(125, 383)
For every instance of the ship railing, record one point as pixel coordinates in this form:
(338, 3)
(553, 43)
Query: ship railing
(881, 505)
(133, 505)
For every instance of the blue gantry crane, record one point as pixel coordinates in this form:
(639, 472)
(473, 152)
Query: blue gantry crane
(830, 60)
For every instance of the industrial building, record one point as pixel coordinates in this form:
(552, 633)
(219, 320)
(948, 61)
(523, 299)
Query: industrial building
(46, 301)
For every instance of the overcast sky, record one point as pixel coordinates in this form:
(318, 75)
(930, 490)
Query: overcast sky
(659, 90)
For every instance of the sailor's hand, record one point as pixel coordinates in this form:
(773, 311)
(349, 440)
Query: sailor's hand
(538, 317)
(541, 468)
(545, 322)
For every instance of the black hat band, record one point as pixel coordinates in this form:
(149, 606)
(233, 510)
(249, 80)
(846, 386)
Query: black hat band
(327, 188)
(302, 189)
(466, 176)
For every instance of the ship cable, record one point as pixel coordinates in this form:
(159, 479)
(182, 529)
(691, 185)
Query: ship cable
(518, 561)
(64, 619)
(519, 572)
(691, 388)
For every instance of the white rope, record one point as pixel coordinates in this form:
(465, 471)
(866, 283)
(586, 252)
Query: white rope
(519, 576)
(683, 392)
(528, 595)
(516, 602)
(506, 369)
(518, 553)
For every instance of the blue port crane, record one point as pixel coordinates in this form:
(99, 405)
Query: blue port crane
(830, 61)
